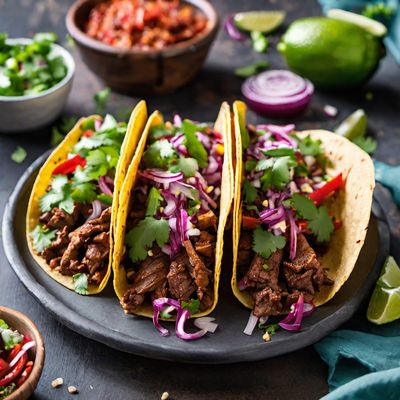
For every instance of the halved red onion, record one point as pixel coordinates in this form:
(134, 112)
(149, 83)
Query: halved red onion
(24, 349)
(104, 186)
(206, 323)
(292, 322)
(277, 93)
(96, 210)
(160, 176)
(232, 30)
(183, 316)
(251, 324)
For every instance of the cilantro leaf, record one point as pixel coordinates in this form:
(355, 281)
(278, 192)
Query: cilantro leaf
(304, 206)
(281, 171)
(159, 154)
(259, 41)
(153, 202)
(280, 152)
(264, 164)
(55, 195)
(83, 192)
(100, 100)
(187, 165)
(141, 238)
(80, 283)
(310, 147)
(250, 165)
(321, 225)
(67, 204)
(42, 237)
(249, 70)
(19, 155)
(368, 144)
(266, 243)
(249, 192)
(193, 144)
(159, 131)
(9, 337)
(105, 198)
(192, 306)
(56, 136)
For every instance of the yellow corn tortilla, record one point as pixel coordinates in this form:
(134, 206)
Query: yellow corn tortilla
(223, 126)
(352, 206)
(58, 156)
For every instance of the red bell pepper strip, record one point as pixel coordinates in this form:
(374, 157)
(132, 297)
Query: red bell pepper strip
(70, 165)
(88, 133)
(330, 187)
(249, 222)
(14, 352)
(4, 367)
(25, 374)
(16, 371)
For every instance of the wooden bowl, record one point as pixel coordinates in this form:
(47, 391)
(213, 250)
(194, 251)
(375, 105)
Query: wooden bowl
(24, 325)
(143, 71)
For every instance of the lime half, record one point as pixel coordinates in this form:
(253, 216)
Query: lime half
(355, 125)
(390, 277)
(375, 28)
(384, 305)
(260, 21)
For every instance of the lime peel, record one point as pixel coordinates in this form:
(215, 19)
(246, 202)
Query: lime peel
(261, 21)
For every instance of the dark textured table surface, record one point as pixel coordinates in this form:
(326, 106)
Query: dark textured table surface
(102, 373)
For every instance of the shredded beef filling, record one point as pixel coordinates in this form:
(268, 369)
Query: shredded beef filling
(78, 247)
(185, 277)
(276, 285)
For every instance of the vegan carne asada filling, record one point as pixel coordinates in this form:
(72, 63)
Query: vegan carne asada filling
(173, 225)
(144, 24)
(284, 224)
(73, 233)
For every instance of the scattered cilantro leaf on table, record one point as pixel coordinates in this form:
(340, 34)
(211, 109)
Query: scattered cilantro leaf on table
(100, 100)
(266, 243)
(259, 41)
(19, 155)
(250, 70)
(367, 143)
(142, 237)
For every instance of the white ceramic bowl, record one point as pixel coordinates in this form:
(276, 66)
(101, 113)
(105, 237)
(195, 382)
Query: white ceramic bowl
(31, 112)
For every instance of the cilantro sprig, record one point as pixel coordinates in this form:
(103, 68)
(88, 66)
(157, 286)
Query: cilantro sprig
(159, 154)
(319, 221)
(141, 238)
(80, 283)
(42, 237)
(192, 306)
(266, 243)
(193, 144)
(153, 202)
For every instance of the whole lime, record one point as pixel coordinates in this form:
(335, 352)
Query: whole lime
(330, 52)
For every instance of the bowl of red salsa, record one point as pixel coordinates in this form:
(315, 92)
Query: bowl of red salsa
(21, 355)
(143, 47)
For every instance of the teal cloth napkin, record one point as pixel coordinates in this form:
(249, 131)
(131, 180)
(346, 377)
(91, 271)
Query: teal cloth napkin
(363, 364)
(389, 176)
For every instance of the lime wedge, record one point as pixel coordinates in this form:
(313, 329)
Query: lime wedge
(384, 305)
(390, 277)
(260, 21)
(355, 125)
(375, 28)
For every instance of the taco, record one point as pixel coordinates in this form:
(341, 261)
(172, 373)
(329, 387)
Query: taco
(175, 203)
(301, 211)
(72, 208)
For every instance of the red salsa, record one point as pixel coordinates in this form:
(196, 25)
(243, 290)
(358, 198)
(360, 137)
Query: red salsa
(144, 24)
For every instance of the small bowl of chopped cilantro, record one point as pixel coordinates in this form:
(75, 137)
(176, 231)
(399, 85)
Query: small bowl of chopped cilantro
(35, 80)
(21, 355)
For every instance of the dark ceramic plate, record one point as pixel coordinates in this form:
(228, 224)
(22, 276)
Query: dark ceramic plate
(101, 318)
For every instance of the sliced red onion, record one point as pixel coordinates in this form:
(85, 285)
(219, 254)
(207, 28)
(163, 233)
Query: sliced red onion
(277, 93)
(181, 225)
(207, 198)
(232, 30)
(161, 176)
(292, 322)
(293, 235)
(251, 324)
(193, 232)
(187, 190)
(96, 210)
(273, 217)
(177, 120)
(158, 305)
(212, 165)
(166, 249)
(178, 139)
(23, 350)
(243, 283)
(97, 124)
(200, 179)
(282, 133)
(212, 179)
(204, 139)
(183, 316)
(171, 205)
(206, 323)
(308, 309)
(104, 187)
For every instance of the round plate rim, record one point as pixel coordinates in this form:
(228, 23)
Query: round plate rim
(121, 342)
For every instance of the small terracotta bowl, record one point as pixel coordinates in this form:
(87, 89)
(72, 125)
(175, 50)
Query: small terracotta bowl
(24, 325)
(143, 71)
